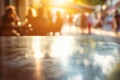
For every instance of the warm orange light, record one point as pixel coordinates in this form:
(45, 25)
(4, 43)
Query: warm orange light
(34, 12)
(104, 7)
(71, 0)
(54, 10)
(60, 1)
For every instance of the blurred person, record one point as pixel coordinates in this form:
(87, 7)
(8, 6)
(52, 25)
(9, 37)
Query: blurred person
(59, 22)
(117, 21)
(36, 20)
(10, 20)
(101, 18)
(89, 23)
(29, 16)
(30, 22)
(70, 19)
(10, 17)
(41, 23)
(83, 22)
(110, 21)
(49, 21)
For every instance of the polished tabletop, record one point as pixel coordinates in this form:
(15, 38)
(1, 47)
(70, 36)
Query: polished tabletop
(57, 57)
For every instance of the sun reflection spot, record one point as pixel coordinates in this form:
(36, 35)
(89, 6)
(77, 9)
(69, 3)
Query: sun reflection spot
(36, 47)
(77, 77)
(61, 48)
(106, 62)
(38, 56)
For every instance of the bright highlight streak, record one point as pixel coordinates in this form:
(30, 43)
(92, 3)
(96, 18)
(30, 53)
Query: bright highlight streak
(34, 12)
(36, 47)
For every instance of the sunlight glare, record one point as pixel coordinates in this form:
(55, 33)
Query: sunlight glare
(60, 1)
(77, 77)
(36, 47)
(66, 28)
(106, 62)
(34, 12)
(61, 47)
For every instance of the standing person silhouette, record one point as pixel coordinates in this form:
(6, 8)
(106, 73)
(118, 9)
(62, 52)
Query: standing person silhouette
(49, 22)
(89, 23)
(30, 22)
(70, 19)
(83, 22)
(58, 23)
(41, 25)
(117, 20)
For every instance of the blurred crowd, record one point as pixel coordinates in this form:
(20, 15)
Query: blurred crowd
(36, 22)
(33, 24)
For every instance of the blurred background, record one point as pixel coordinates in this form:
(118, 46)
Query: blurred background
(51, 13)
